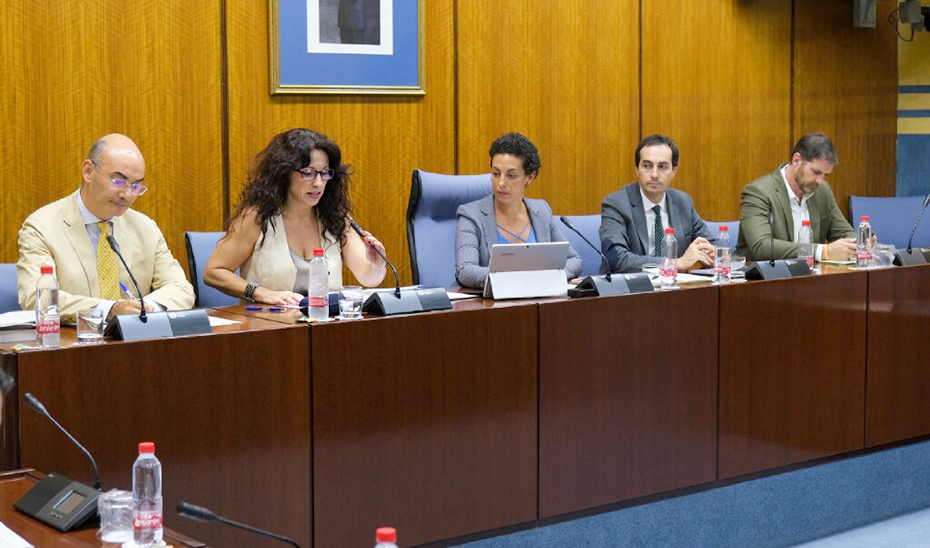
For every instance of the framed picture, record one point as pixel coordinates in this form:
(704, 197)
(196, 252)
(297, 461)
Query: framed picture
(347, 46)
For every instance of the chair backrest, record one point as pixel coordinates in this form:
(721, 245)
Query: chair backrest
(732, 228)
(892, 218)
(589, 225)
(431, 222)
(200, 246)
(9, 299)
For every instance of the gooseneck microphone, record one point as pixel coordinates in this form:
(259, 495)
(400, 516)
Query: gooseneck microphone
(361, 234)
(923, 208)
(200, 513)
(571, 227)
(37, 406)
(115, 247)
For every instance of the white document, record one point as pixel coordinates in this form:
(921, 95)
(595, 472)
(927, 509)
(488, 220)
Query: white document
(9, 539)
(522, 284)
(216, 321)
(18, 318)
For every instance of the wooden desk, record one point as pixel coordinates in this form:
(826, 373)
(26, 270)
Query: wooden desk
(792, 371)
(898, 388)
(628, 397)
(14, 485)
(229, 413)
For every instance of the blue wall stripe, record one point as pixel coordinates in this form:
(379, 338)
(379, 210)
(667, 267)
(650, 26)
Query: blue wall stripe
(913, 165)
(914, 114)
(913, 89)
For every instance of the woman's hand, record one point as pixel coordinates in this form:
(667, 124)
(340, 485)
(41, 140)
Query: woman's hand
(372, 244)
(277, 298)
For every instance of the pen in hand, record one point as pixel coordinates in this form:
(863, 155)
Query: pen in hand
(126, 291)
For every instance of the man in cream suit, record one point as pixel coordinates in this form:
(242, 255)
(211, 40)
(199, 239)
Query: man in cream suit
(70, 235)
(795, 192)
(634, 218)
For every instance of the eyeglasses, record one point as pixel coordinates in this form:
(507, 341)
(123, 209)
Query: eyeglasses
(310, 174)
(136, 188)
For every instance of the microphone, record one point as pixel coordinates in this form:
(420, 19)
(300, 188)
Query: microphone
(772, 230)
(199, 513)
(923, 208)
(361, 234)
(115, 247)
(37, 406)
(571, 227)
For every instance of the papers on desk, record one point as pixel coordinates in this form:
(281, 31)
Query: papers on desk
(839, 263)
(684, 278)
(216, 321)
(9, 539)
(18, 319)
(454, 296)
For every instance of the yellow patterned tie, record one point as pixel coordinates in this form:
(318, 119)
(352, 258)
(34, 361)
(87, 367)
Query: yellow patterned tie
(107, 265)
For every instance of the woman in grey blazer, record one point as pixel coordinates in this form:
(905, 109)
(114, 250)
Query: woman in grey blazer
(505, 216)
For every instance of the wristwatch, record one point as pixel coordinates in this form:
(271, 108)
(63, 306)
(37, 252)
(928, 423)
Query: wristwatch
(249, 293)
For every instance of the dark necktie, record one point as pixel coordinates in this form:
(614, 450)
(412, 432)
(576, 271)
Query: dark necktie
(659, 232)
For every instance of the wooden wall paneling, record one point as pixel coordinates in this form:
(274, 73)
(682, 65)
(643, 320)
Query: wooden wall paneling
(716, 78)
(384, 138)
(74, 71)
(846, 85)
(564, 74)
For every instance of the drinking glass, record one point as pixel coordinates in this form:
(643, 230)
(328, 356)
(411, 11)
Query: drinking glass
(350, 302)
(90, 326)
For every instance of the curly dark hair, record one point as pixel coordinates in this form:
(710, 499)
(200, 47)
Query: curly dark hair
(517, 145)
(269, 180)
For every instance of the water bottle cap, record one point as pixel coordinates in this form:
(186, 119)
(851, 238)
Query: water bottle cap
(146, 447)
(318, 252)
(46, 269)
(805, 223)
(669, 230)
(386, 534)
(864, 218)
(724, 228)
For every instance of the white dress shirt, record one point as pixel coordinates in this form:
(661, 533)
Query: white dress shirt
(799, 211)
(651, 220)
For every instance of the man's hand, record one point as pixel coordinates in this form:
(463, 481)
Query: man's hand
(699, 252)
(840, 250)
(127, 306)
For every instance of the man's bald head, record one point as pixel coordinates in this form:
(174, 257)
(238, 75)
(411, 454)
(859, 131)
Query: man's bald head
(113, 156)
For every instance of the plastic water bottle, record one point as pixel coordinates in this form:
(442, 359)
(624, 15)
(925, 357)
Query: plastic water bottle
(318, 299)
(147, 519)
(722, 256)
(386, 537)
(668, 272)
(806, 244)
(864, 244)
(48, 316)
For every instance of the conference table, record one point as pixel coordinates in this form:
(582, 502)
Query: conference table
(494, 415)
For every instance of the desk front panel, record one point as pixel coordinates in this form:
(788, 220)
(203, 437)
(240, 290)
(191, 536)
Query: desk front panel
(792, 371)
(628, 402)
(229, 414)
(424, 422)
(898, 394)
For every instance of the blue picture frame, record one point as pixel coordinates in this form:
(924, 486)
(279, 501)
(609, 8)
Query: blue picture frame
(346, 46)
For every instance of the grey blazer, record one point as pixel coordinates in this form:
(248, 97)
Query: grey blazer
(623, 226)
(477, 232)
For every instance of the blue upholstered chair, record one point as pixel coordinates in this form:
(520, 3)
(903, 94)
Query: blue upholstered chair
(892, 218)
(200, 246)
(589, 226)
(732, 228)
(8, 289)
(431, 222)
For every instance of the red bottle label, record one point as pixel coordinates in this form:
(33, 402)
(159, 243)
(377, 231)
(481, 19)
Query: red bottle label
(47, 327)
(147, 520)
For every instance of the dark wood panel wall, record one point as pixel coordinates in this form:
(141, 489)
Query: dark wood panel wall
(735, 82)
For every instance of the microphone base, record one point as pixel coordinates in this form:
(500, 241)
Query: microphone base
(619, 284)
(172, 323)
(783, 268)
(916, 256)
(386, 303)
(45, 502)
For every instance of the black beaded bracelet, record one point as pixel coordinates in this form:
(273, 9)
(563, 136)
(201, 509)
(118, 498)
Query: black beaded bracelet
(249, 292)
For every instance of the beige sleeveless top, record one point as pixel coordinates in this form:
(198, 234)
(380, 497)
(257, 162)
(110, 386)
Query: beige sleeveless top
(271, 265)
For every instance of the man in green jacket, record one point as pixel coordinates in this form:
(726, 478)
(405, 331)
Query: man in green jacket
(795, 192)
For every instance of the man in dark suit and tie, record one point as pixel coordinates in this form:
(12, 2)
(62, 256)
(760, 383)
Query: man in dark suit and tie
(634, 218)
